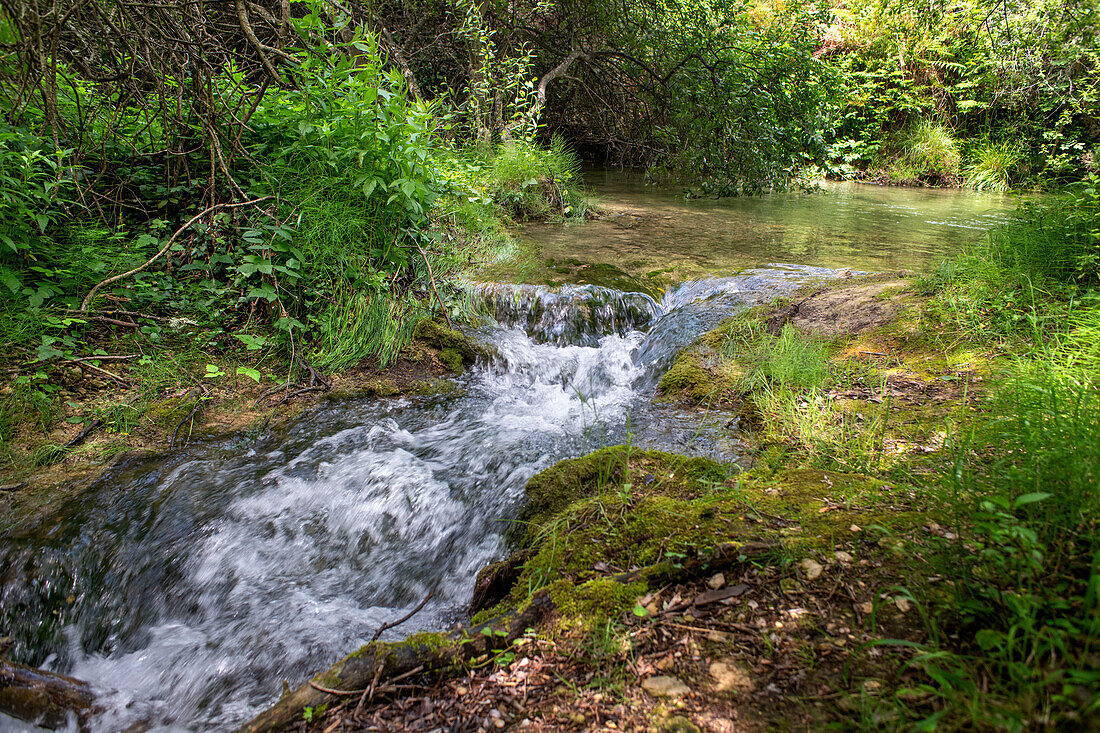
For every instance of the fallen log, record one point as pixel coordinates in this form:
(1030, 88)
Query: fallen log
(43, 698)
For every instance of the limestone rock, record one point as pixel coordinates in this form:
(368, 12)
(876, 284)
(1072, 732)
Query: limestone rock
(665, 686)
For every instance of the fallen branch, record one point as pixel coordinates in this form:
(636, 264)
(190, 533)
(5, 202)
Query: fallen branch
(118, 312)
(171, 240)
(43, 698)
(190, 415)
(125, 357)
(780, 318)
(403, 619)
(304, 390)
(110, 375)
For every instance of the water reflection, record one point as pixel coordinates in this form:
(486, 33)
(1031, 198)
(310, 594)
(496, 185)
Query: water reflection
(659, 233)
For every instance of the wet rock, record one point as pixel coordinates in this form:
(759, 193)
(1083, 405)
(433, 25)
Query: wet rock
(665, 686)
(494, 583)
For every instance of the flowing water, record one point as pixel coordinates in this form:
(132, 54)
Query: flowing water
(187, 588)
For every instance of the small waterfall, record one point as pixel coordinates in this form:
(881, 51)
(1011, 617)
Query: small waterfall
(572, 314)
(186, 588)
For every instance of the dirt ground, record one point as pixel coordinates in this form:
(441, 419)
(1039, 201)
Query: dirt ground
(766, 649)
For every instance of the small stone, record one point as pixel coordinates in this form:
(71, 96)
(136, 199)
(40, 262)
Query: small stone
(498, 723)
(716, 581)
(872, 686)
(902, 604)
(678, 724)
(855, 528)
(811, 568)
(865, 608)
(665, 686)
(460, 691)
(730, 677)
(842, 556)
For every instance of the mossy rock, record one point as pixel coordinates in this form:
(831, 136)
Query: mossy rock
(609, 276)
(620, 508)
(452, 359)
(553, 489)
(456, 349)
(703, 373)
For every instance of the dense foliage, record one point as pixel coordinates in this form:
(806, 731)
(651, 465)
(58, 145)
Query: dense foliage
(991, 93)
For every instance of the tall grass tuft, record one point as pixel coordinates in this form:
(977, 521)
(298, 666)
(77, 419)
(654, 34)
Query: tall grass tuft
(365, 325)
(995, 167)
(1058, 239)
(787, 360)
(925, 151)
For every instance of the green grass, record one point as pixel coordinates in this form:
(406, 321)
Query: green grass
(924, 151)
(1014, 638)
(996, 167)
(364, 325)
(790, 359)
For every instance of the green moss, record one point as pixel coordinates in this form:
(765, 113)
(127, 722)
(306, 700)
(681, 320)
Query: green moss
(444, 339)
(452, 359)
(551, 490)
(429, 640)
(597, 598)
(706, 372)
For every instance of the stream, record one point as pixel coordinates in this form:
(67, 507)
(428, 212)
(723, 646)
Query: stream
(187, 588)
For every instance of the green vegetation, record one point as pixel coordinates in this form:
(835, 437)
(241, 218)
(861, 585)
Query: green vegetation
(980, 397)
(1009, 90)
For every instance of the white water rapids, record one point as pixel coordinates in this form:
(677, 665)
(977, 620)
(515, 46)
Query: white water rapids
(186, 588)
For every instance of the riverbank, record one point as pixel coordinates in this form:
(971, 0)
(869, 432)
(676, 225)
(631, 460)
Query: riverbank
(224, 402)
(893, 555)
(155, 366)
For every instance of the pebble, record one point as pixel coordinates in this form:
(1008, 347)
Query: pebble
(811, 567)
(665, 686)
(842, 556)
(716, 581)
